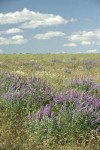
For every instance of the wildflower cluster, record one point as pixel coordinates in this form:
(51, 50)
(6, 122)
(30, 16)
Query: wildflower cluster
(32, 93)
(87, 85)
(49, 111)
(82, 108)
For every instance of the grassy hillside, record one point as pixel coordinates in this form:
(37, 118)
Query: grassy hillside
(57, 69)
(50, 101)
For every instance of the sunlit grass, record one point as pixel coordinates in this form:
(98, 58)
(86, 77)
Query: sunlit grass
(58, 70)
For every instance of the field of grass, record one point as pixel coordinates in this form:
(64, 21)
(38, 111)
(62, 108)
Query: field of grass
(50, 102)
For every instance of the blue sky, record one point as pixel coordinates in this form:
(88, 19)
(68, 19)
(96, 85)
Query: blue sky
(55, 26)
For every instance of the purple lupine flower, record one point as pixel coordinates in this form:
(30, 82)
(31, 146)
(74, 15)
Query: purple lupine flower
(29, 117)
(80, 107)
(84, 96)
(97, 103)
(48, 90)
(52, 104)
(75, 94)
(90, 110)
(97, 120)
(34, 79)
(90, 101)
(66, 96)
(35, 85)
(46, 110)
(38, 115)
(58, 99)
(9, 95)
(91, 82)
(76, 100)
(52, 115)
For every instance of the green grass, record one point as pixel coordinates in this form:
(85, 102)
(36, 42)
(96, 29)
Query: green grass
(58, 70)
(53, 71)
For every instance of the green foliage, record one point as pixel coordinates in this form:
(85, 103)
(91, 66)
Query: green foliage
(20, 129)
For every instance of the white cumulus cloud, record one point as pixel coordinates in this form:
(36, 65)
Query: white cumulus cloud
(86, 43)
(49, 35)
(85, 37)
(17, 39)
(31, 19)
(46, 20)
(11, 31)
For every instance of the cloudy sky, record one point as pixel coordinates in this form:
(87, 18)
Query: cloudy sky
(49, 26)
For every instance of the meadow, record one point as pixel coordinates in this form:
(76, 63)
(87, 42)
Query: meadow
(50, 101)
